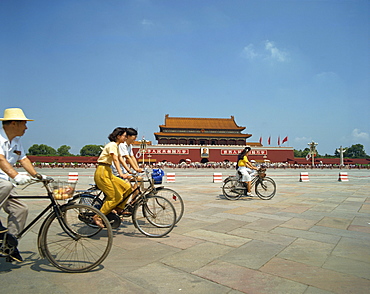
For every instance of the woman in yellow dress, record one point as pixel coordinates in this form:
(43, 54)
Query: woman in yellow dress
(246, 168)
(115, 188)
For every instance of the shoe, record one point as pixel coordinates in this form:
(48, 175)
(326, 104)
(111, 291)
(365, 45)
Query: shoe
(14, 256)
(249, 194)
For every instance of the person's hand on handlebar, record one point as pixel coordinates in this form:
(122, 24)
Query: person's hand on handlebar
(41, 177)
(21, 179)
(124, 176)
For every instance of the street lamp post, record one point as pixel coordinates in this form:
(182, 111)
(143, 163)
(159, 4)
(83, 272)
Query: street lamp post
(341, 150)
(143, 149)
(313, 151)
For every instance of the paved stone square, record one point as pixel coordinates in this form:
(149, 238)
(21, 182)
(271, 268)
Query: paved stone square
(312, 237)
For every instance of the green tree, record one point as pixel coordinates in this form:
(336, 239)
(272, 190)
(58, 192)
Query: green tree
(64, 151)
(355, 151)
(300, 153)
(91, 150)
(42, 150)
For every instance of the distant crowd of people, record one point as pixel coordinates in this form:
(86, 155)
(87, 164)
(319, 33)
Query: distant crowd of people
(199, 165)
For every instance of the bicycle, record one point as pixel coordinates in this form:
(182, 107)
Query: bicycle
(265, 187)
(67, 238)
(152, 214)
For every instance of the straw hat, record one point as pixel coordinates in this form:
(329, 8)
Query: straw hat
(14, 114)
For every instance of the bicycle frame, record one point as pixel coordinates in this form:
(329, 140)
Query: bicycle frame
(54, 206)
(140, 194)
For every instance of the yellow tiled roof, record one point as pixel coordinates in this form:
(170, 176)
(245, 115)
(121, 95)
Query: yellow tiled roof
(201, 123)
(213, 135)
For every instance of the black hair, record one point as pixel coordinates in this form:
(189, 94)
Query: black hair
(244, 152)
(131, 132)
(116, 132)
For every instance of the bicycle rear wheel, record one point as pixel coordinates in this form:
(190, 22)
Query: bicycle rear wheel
(175, 200)
(265, 188)
(232, 189)
(71, 244)
(154, 216)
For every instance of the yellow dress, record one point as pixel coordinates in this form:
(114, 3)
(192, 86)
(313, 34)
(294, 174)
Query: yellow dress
(114, 188)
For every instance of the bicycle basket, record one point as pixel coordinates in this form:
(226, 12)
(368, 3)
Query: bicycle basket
(63, 190)
(157, 175)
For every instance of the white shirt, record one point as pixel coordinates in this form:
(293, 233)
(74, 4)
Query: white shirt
(12, 151)
(124, 150)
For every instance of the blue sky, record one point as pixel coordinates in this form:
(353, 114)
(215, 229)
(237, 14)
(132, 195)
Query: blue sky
(282, 68)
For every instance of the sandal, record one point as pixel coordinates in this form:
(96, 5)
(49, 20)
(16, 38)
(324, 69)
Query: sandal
(126, 213)
(98, 221)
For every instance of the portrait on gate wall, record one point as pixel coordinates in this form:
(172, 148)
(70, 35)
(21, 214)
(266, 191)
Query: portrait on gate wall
(204, 152)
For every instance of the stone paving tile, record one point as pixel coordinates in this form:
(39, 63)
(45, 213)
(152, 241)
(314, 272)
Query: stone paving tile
(353, 249)
(128, 260)
(299, 223)
(188, 225)
(335, 222)
(248, 280)
(159, 278)
(47, 279)
(200, 217)
(348, 266)
(178, 241)
(314, 276)
(230, 216)
(262, 236)
(263, 224)
(240, 210)
(365, 208)
(340, 232)
(220, 238)
(225, 226)
(314, 290)
(297, 208)
(196, 257)
(317, 236)
(253, 254)
(269, 216)
(362, 229)
(307, 251)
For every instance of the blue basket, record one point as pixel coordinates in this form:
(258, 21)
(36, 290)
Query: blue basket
(157, 175)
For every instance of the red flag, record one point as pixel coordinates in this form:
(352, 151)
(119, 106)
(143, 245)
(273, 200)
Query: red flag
(285, 140)
(269, 140)
(279, 140)
(261, 140)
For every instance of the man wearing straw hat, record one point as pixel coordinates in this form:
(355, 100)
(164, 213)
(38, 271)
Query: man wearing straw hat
(11, 150)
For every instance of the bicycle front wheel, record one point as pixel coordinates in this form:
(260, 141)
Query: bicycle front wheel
(265, 188)
(175, 200)
(232, 189)
(70, 243)
(154, 216)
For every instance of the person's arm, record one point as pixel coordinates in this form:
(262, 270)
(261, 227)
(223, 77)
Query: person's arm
(134, 164)
(116, 161)
(27, 165)
(7, 167)
(250, 165)
(123, 162)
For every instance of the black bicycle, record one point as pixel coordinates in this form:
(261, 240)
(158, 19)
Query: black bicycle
(68, 237)
(265, 187)
(152, 211)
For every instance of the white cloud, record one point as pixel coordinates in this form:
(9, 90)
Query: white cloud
(249, 52)
(358, 135)
(275, 53)
(147, 23)
(268, 51)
